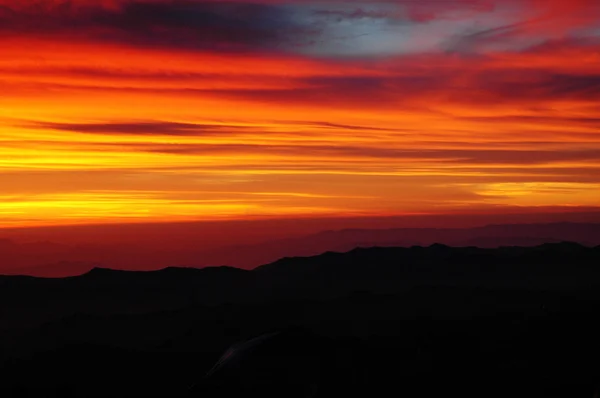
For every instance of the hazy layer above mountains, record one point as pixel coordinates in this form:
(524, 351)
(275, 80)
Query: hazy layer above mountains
(50, 259)
(563, 266)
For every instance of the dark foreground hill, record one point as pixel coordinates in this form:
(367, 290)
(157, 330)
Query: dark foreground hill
(419, 322)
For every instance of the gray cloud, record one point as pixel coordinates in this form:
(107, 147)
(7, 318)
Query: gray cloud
(175, 23)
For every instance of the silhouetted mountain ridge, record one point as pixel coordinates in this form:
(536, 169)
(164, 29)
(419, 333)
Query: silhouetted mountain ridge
(48, 259)
(547, 265)
(110, 272)
(454, 319)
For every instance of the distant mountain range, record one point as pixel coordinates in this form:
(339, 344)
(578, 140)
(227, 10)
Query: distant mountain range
(491, 236)
(50, 259)
(561, 266)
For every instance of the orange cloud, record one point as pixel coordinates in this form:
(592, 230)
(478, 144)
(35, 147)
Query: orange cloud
(96, 129)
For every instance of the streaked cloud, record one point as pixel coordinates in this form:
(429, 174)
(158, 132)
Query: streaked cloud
(176, 109)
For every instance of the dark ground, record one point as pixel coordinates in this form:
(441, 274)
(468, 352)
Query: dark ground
(419, 322)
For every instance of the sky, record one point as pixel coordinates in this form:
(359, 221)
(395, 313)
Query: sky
(120, 111)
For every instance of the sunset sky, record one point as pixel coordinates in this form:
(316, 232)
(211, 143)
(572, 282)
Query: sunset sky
(170, 110)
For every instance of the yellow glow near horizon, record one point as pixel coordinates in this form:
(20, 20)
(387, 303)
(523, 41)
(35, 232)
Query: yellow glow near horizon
(93, 132)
